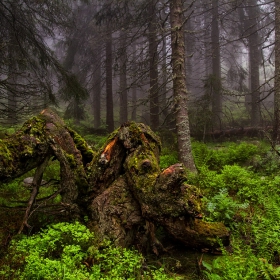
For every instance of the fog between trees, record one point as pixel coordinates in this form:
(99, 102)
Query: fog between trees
(108, 62)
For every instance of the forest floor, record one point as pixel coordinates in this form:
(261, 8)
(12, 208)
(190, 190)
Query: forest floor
(241, 186)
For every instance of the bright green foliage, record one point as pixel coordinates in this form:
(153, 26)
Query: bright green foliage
(95, 141)
(222, 207)
(264, 231)
(236, 179)
(168, 158)
(15, 193)
(240, 265)
(52, 171)
(70, 251)
(267, 163)
(241, 187)
(219, 156)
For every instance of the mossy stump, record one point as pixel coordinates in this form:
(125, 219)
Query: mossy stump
(121, 188)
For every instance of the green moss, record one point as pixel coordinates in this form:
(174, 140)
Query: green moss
(143, 164)
(82, 146)
(4, 151)
(192, 199)
(210, 232)
(71, 160)
(5, 158)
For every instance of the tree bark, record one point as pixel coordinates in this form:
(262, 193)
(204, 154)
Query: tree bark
(134, 87)
(254, 61)
(123, 79)
(179, 85)
(216, 68)
(121, 188)
(12, 103)
(109, 84)
(276, 129)
(97, 78)
(153, 60)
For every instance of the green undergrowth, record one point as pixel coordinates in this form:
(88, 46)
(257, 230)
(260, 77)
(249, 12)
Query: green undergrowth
(241, 187)
(241, 184)
(71, 251)
(14, 196)
(15, 193)
(168, 157)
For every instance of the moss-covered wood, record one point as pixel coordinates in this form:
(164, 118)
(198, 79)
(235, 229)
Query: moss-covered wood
(121, 188)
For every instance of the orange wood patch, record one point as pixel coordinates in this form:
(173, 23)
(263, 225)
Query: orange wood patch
(143, 138)
(108, 150)
(168, 170)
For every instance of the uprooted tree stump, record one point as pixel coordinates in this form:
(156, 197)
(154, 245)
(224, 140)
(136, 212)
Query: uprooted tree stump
(121, 188)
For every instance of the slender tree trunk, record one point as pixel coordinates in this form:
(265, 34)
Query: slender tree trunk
(134, 88)
(123, 81)
(244, 31)
(216, 68)
(164, 78)
(12, 100)
(164, 69)
(189, 47)
(11, 91)
(179, 84)
(153, 57)
(207, 39)
(276, 132)
(109, 84)
(254, 61)
(97, 89)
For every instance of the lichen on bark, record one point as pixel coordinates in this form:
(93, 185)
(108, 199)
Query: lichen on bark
(120, 188)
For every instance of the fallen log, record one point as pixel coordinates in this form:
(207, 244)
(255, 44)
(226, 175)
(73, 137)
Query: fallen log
(121, 188)
(235, 133)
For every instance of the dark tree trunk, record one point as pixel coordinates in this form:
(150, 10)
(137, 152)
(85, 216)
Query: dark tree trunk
(11, 90)
(179, 85)
(254, 61)
(109, 84)
(123, 81)
(134, 87)
(216, 68)
(276, 129)
(121, 188)
(164, 78)
(97, 76)
(153, 58)
(189, 48)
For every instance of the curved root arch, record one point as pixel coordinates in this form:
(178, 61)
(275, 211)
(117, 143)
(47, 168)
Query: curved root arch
(121, 188)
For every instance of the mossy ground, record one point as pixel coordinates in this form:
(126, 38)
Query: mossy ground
(252, 225)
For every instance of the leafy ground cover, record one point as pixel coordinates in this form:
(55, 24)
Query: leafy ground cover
(240, 183)
(241, 187)
(71, 251)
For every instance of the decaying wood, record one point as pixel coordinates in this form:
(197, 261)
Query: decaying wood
(121, 188)
(234, 133)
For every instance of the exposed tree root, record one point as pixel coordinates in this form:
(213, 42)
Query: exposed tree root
(121, 188)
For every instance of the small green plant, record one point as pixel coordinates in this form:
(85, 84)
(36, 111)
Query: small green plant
(239, 265)
(95, 141)
(70, 251)
(168, 158)
(227, 154)
(222, 207)
(266, 164)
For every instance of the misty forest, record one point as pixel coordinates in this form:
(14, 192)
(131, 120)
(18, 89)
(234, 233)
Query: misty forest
(140, 139)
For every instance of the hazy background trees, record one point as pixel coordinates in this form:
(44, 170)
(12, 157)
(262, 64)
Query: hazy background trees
(103, 63)
(30, 72)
